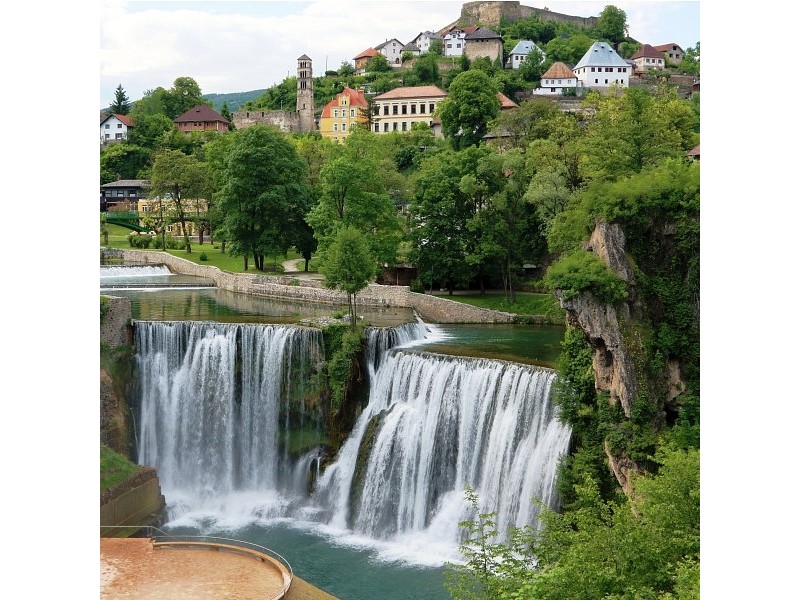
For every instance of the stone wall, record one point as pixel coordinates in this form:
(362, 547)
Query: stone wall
(136, 501)
(284, 120)
(114, 327)
(491, 14)
(431, 308)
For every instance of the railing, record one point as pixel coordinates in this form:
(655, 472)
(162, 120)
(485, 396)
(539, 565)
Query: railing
(123, 215)
(164, 539)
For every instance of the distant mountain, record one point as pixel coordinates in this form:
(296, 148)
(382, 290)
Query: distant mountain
(234, 100)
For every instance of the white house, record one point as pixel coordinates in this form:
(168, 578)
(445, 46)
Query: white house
(647, 58)
(556, 79)
(454, 42)
(392, 49)
(114, 128)
(602, 67)
(521, 51)
(423, 40)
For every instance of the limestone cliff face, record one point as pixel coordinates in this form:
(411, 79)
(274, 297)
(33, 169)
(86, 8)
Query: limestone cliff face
(113, 415)
(609, 330)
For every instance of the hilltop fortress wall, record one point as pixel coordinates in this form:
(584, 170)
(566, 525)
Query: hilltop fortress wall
(491, 14)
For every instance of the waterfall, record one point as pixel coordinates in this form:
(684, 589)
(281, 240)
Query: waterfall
(110, 271)
(218, 403)
(436, 424)
(231, 411)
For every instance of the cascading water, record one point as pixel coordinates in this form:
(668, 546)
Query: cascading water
(220, 403)
(117, 271)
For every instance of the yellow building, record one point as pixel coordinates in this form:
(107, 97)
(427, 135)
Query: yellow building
(343, 114)
(155, 209)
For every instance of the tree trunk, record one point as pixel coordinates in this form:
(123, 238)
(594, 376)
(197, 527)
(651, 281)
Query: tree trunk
(245, 263)
(306, 269)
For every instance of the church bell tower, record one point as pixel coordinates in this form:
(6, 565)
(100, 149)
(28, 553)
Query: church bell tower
(305, 94)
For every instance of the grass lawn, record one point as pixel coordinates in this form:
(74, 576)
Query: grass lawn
(527, 303)
(114, 468)
(118, 238)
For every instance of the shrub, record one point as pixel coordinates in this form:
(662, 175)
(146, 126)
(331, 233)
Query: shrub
(171, 242)
(581, 271)
(137, 240)
(203, 256)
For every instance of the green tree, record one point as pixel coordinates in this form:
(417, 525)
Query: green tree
(349, 266)
(377, 64)
(121, 105)
(181, 178)
(184, 94)
(123, 161)
(263, 194)
(150, 130)
(153, 102)
(426, 68)
(531, 121)
(533, 67)
(346, 69)
(436, 47)
(471, 103)
(690, 63)
(612, 25)
(226, 112)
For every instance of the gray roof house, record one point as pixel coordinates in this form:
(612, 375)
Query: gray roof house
(602, 67)
(521, 51)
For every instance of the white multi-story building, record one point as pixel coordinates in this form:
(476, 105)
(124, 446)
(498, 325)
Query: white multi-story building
(398, 109)
(392, 50)
(602, 67)
(454, 42)
(423, 40)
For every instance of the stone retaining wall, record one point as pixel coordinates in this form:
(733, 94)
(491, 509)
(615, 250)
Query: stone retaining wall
(136, 501)
(114, 330)
(431, 308)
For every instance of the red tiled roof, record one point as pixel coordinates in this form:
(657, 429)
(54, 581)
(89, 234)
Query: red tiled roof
(368, 53)
(694, 151)
(125, 119)
(647, 51)
(506, 102)
(559, 70)
(357, 100)
(201, 113)
(421, 91)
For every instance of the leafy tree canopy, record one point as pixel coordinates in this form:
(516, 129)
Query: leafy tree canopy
(471, 103)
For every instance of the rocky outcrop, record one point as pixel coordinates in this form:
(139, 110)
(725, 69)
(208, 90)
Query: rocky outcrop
(113, 415)
(614, 366)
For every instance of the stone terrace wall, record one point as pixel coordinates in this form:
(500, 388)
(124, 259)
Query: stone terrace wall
(431, 308)
(114, 329)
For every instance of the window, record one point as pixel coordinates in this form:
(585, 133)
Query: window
(108, 136)
(404, 126)
(352, 112)
(336, 127)
(386, 110)
(592, 69)
(335, 113)
(413, 109)
(595, 80)
(394, 126)
(119, 125)
(404, 109)
(432, 107)
(119, 136)
(344, 125)
(552, 89)
(108, 126)
(394, 109)
(606, 81)
(422, 109)
(386, 127)
(449, 45)
(377, 127)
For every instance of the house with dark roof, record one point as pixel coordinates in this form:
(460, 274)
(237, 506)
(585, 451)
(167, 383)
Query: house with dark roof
(647, 58)
(424, 39)
(398, 109)
(114, 128)
(521, 52)
(412, 48)
(392, 49)
(484, 42)
(672, 53)
(453, 40)
(556, 79)
(201, 118)
(347, 111)
(123, 194)
(602, 67)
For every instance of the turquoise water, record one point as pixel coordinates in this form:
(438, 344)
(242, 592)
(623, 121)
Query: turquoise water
(346, 570)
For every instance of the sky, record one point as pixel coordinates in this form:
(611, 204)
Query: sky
(242, 46)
